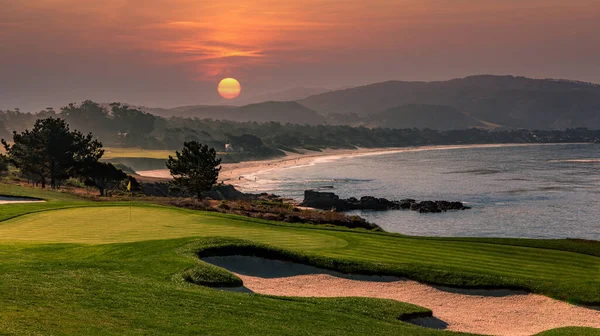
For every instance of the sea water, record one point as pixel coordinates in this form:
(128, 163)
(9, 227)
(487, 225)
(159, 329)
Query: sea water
(545, 191)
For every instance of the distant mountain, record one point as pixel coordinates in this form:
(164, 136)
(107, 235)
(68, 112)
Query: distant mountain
(509, 101)
(283, 112)
(192, 111)
(423, 116)
(285, 95)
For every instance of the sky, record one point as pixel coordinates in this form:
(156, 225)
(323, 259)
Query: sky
(174, 52)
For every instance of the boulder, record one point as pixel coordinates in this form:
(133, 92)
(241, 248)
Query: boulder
(405, 204)
(329, 201)
(428, 207)
(321, 200)
(446, 206)
(374, 203)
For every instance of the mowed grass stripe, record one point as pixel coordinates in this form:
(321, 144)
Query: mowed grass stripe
(408, 245)
(531, 269)
(477, 267)
(543, 262)
(100, 225)
(550, 263)
(468, 247)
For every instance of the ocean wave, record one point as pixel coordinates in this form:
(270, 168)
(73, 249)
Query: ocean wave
(592, 160)
(477, 171)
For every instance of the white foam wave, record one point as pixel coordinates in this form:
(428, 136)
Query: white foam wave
(578, 160)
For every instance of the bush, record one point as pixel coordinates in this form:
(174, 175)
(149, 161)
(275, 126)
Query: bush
(276, 211)
(74, 182)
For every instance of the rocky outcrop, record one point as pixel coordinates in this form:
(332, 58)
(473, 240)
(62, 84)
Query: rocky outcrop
(331, 201)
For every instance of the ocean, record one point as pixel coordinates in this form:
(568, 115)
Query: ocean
(539, 191)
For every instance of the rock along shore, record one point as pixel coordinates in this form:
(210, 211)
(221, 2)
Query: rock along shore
(331, 201)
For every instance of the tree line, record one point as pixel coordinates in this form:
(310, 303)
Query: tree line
(50, 153)
(120, 125)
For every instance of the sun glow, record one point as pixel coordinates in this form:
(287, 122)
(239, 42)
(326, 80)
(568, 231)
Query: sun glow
(229, 88)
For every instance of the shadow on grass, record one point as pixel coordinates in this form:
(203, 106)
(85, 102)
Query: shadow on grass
(241, 289)
(482, 292)
(427, 322)
(270, 268)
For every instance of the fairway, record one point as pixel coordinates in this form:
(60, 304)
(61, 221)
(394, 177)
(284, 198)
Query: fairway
(91, 259)
(119, 224)
(116, 152)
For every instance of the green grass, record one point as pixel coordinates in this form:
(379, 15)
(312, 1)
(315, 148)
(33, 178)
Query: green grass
(115, 153)
(69, 266)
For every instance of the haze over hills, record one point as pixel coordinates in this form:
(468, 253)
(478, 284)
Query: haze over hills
(438, 117)
(485, 101)
(284, 95)
(509, 101)
(283, 112)
(192, 111)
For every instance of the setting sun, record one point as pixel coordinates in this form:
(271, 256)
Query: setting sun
(229, 88)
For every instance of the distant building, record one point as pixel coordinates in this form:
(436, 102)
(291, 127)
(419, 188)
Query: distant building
(230, 148)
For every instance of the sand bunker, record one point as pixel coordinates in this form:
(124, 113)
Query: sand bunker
(10, 200)
(492, 312)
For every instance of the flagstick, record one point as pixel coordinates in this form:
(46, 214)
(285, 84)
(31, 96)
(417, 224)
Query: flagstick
(130, 198)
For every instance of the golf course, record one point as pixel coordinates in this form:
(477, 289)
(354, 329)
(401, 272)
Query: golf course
(73, 266)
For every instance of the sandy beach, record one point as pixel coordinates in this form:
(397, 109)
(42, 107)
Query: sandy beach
(242, 173)
(241, 170)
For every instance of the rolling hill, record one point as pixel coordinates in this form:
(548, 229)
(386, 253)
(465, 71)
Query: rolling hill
(515, 102)
(423, 116)
(296, 93)
(283, 112)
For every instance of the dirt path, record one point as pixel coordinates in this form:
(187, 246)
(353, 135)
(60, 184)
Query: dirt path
(491, 312)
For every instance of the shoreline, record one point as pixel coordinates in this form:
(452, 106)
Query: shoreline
(242, 173)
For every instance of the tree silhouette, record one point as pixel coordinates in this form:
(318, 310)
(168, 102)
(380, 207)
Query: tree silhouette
(51, 152)
(195, 169)
(103, 176)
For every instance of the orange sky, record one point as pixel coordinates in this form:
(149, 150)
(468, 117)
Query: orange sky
(170, 52)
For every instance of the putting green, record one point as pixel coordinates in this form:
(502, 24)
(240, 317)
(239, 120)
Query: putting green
(118, 224)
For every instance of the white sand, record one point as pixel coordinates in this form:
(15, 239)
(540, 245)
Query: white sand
(11, 200)
(492, 312)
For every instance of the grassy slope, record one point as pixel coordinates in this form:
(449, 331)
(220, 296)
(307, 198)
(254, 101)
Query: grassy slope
(134, 284)
(115, 152)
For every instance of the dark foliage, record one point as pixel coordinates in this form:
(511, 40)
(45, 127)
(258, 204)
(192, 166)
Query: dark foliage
(135, 185)
(50, 152)
(104, 176)
(275, 211)
(196, 168)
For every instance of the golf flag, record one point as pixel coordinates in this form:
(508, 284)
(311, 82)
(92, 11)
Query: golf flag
(129, 186)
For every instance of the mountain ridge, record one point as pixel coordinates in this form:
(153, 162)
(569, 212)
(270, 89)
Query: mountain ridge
(510, 101)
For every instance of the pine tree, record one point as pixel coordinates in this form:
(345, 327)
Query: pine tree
(195, 169)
